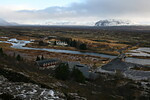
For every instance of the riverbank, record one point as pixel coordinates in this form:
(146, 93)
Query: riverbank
(141, 53)
(140, 57)
(32, 54)
(33, 45)
(20, 44)
(112, 53)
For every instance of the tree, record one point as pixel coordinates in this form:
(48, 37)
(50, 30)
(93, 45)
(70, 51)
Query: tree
(55, 43)
(74, 44)
(42, 58)
(38, 58)
(41, 43)
(83, 46)
(119, 74)
(18, 58)
(1, 51)
(62, 72)
(78, 76)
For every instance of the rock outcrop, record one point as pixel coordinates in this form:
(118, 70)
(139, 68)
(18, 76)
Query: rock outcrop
(27, 91)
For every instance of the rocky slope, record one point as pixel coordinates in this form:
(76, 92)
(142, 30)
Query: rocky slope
(23, 81)
(27, 91)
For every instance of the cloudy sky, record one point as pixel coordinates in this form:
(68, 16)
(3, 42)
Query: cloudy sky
(74, 12)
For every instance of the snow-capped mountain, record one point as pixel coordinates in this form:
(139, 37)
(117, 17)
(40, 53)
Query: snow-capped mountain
(113, 22)
(5, 23)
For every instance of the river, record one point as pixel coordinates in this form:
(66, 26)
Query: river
(20, 44)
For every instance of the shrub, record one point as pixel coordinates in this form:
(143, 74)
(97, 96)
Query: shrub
(83, 47)
(42, 58)
(78, 76)
(38, 58)
(1, 51)
(62, 72)
(18, 58)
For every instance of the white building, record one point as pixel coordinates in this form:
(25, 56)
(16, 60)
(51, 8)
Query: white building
(61, 43)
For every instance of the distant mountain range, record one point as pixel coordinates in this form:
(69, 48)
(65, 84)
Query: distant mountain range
(113, 22)
(107, 22)
(5, 23)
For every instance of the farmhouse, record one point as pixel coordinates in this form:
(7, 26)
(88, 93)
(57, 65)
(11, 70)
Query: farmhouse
(49, 63)
(61, 43)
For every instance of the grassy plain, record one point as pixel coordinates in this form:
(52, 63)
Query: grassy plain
(107, 40)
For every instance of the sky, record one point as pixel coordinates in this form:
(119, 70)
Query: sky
(74, 12)
(35, 4)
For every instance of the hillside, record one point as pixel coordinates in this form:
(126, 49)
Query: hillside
(26, 82)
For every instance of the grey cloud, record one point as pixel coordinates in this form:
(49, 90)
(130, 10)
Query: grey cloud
(91, 10)
(114, 7)
(100, 8)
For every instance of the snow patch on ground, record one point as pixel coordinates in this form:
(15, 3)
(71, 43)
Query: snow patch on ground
(27, 91)
(140, 52)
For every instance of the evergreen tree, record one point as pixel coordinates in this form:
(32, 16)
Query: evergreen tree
(42, 58)
(62, 72)
(74, 43)
(55, 43)
(69, 41)
(18, 58)
(38, 58)
(83, 46)
(41, 43)
(78, 76)
(1, 51)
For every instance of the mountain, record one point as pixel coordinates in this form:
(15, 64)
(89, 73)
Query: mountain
(113, 22)
(5, 23)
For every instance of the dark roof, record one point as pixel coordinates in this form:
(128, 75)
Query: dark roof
(80, 66)
(138, 73)
(116, 64)
(41, 62)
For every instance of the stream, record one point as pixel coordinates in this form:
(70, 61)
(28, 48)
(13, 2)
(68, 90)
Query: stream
(20, 44)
